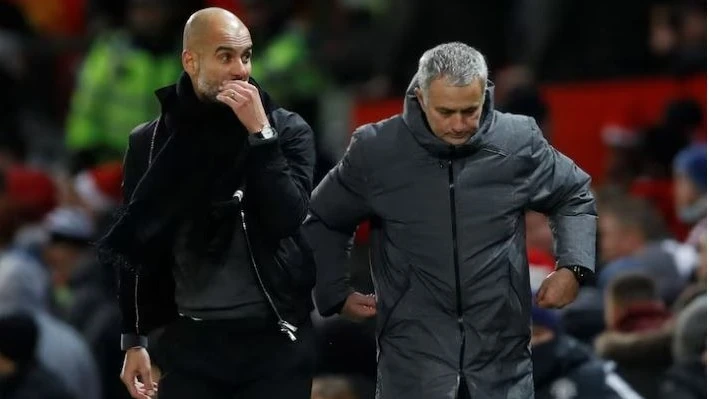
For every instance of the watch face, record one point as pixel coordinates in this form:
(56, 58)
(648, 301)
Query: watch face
(267, 132)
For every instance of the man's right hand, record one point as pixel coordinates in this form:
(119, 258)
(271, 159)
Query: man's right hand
(359, 307)
(136, 374)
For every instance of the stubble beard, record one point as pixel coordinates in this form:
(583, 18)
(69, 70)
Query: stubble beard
(208, 90)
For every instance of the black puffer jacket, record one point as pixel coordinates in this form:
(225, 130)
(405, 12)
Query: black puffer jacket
(565, 368)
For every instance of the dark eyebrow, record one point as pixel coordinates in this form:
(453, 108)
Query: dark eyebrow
(231, 49)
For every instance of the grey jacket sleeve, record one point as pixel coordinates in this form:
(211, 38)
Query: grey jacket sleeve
(338, 204)
(561, 190)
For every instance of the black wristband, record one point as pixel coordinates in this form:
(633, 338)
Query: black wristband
(583, 274)
(129, 341)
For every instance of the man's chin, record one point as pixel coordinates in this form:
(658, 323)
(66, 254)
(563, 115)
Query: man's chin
(452, 140)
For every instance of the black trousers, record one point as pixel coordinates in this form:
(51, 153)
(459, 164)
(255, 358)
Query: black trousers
(234, 360)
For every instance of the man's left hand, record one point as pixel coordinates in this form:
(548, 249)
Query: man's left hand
(559, 289)
(244, 99)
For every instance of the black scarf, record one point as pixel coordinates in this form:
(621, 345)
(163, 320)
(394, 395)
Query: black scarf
(201, 164)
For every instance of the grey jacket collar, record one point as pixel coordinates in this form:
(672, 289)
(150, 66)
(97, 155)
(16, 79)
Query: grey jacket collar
(417, 124)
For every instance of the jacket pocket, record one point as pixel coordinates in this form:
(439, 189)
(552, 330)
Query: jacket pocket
(520, 299)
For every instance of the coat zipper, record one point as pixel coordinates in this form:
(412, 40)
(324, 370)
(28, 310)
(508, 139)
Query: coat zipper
(137, 316)
(459, 299)
(283, 325)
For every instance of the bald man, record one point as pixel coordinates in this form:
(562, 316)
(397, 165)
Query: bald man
(208, 245)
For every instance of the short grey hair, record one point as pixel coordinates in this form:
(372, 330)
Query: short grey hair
(456, 61)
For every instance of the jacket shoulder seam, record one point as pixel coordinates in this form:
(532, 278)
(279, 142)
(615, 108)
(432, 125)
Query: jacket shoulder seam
(143, 127)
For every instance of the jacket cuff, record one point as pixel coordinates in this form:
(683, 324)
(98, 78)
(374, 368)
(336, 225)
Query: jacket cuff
(129, 341)
(257, 140)
(333, 305)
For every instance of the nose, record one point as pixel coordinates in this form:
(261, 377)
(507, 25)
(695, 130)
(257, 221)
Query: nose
(459, 125)
(238, 70)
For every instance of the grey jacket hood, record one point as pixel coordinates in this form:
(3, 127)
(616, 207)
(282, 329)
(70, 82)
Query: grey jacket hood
(415, 119)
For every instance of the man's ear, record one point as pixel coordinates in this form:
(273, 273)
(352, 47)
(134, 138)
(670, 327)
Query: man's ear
(189, 62)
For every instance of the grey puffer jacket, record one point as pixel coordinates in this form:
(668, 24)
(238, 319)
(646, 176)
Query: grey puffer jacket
(448, 250)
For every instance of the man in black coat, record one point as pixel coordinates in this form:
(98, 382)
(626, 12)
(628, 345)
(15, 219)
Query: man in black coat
(208, 241)
(564, 368)
(22, 376)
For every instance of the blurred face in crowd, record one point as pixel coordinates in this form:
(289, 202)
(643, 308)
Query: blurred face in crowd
(219, 50)
(617, 240)
(539, 235)
(260, 15)
(689, 201)
(62, 259)
(621, 165)
(149, 19)
(693, 25)
(453, 112)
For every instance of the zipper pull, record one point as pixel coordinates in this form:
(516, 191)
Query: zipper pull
(243, 219)
(288, 329)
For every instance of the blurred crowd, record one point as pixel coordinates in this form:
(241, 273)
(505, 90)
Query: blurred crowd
(78, 75)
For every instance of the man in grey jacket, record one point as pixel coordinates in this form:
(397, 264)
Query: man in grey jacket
(445, 186)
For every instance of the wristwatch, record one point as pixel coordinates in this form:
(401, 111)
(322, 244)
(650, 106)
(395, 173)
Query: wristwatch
(266, 133)
(583, 275)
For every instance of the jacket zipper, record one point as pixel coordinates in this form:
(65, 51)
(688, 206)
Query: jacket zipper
(283, 325)
(137, 316)
(459, 299)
